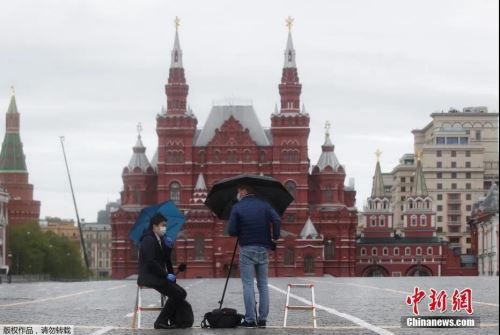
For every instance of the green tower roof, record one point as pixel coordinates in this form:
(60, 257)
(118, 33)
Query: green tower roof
(12, 157)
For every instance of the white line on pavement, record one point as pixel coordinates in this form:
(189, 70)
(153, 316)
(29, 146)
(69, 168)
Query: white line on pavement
(116, 287)
(102, 331)
(36, 301)
(349, 317)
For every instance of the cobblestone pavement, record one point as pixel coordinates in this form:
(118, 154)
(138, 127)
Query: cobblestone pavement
(346, 305)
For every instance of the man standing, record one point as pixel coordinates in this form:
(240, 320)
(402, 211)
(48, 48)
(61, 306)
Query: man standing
(156, 271)
(252, 220)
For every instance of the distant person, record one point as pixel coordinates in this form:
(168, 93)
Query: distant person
(156, 270)
(252, 220)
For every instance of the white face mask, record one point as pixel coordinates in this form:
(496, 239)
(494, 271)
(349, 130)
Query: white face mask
(163, 231)
(238, 196)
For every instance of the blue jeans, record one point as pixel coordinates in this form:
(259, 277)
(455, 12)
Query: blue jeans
(254, 259)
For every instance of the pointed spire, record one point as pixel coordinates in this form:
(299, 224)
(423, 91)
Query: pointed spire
(176, 61)
(200, 183)
(12, 157)
(176, 88)
(200, 190)
(290, 86)
(419, 187)
(378, 187)
(13, 105)
(139, 158)
(328, 141)
(309, 231)
(328, 157)
(289, 51)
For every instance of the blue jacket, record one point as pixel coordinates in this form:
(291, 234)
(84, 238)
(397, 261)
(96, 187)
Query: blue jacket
(251, 220)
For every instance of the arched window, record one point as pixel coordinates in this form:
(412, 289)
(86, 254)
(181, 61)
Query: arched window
(396, 251)
(232, 156)
(201, 157)
(137, 194)
(429, 251)
(381, 221)
(374, 252)
(329, 246)
(216, 156)
(363, 251)
(328, 194)
(291, 187)
(308, 264)
(419, 251)
(385, 251)
(407, 251)
(284, 155)
(289, 256)
(413, 220)
(423, 220)
(373, 221)
(247, 156)
(262, 156)
(180, 157)
(199, 247)
(175, 192)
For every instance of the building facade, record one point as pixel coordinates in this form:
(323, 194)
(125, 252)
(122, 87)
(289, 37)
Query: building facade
(61, 227)
(411, 248)
(460, 162)
(484, 230)
(97, 237)
(318, 228)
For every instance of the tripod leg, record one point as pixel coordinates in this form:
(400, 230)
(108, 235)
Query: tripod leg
(228, 274)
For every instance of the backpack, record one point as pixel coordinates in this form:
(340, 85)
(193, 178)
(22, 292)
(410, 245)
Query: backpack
(183, 316)
(222, 318)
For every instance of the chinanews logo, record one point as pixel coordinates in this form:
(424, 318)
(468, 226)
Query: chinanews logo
(438, 302)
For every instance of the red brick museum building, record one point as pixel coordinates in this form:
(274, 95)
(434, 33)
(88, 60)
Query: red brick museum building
(319, 228)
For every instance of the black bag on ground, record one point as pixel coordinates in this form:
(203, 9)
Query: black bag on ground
(183, 316)
(222, 318)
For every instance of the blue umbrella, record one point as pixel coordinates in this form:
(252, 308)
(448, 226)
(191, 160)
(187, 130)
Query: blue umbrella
(175, 220)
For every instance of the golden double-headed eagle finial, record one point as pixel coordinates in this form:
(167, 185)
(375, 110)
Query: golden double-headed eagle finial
(139, 128)
(289, 22)
(177, 23)
(419, 154)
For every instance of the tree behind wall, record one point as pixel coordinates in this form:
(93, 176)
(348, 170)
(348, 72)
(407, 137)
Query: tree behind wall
(37, 252)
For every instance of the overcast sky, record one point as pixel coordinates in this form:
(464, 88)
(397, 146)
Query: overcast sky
(91, 70)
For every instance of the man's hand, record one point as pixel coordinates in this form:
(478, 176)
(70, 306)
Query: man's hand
(168, 241)
(171, 277)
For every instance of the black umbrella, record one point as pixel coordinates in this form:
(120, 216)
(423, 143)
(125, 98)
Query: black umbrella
(222, 196)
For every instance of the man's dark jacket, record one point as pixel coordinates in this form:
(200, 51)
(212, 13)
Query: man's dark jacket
(251, 220)
(154, 261)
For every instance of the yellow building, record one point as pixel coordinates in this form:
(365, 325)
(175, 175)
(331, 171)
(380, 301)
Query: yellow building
(61, 227)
